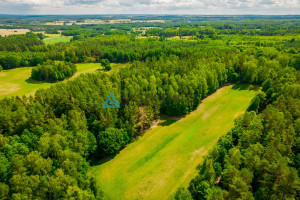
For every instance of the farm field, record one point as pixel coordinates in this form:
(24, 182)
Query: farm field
(7, 32)
(15, 81)
(166, 156)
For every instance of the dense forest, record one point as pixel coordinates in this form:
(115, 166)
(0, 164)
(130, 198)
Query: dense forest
(259, 157)
(48, 141)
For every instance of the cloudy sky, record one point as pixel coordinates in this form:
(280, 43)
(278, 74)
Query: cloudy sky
(201, 7)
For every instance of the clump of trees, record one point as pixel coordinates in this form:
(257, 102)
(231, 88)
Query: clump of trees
(112, 140)
(10, 60)
(51, 71)
(106, 64)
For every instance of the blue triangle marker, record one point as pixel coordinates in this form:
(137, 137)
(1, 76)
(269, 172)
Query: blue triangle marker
(111, 102)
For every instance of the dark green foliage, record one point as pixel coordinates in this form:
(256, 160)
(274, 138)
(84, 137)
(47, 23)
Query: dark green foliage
(297, 63)
(36, 61)
(41, 35)
(9, 62)
(112, 140)
(50, 71)
(200, 190)
(258, 101)
(106, 64)
(183, 194)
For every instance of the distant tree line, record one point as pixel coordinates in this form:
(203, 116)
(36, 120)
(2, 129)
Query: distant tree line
(18, 43)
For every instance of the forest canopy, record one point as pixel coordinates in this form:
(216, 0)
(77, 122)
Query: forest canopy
(49, 140)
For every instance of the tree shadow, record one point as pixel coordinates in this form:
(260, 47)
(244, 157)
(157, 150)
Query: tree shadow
(244, 86)
(167, 122)
(32, 81)
(99, 161)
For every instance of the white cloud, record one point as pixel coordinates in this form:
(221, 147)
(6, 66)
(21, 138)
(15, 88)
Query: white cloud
(150, 6)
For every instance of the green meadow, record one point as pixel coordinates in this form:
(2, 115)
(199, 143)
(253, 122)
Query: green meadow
(56, 38)
(17, 81)
(166, 156)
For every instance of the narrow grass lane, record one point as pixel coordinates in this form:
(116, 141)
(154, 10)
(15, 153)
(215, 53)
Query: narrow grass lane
(165, 157)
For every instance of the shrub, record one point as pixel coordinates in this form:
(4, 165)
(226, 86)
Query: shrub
(106, 64)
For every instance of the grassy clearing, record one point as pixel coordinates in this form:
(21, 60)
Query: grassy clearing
(166, 156)
(56, 38)
(16, 81)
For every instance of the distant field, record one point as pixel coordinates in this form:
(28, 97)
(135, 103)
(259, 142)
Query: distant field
(15, 81)
(7, 32)
(56, 38)
(166, 156)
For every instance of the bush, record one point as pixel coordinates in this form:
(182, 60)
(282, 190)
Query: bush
(50, 71)
(1, 68)
(106, 64)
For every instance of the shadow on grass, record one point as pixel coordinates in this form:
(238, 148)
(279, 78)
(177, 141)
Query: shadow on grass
(100, 161)
(167, 122)
(242, 86)
(32, 81)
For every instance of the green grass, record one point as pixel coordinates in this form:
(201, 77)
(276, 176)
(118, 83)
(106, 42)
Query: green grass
(15, 82)
(56, 38)
(166, 156)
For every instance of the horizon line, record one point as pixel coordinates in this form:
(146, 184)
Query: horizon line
(158, 14)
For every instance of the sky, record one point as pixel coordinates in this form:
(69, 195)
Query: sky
(199, 7)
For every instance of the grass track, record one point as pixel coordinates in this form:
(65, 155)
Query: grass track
(15, 82)
(165, 157)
